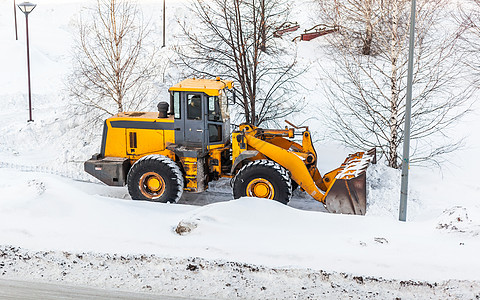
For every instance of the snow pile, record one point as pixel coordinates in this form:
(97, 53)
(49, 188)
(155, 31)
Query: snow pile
(383, 193)
(456, 220)
(45, 212)
(247, 248)
(355, 166)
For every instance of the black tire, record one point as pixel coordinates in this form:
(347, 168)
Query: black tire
(294, 185)
(155, 178)
(269, 178)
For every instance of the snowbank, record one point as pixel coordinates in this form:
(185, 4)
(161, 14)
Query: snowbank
(45, 212)
(215, 279)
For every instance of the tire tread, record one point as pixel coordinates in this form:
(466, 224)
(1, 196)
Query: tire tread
(284, 173)
(170, 164)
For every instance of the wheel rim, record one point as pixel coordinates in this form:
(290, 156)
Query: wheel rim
(152, 185)
(260, 188)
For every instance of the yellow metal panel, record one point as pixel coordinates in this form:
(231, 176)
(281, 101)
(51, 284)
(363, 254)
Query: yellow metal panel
(141, 116)
(148, 141)
(216, 154)
(190, 167)
(207, 86)
(284, 143)
(169, 137)
(291, 162)
(236, 149)
(212, 147)
(328, 179)
(115, 142)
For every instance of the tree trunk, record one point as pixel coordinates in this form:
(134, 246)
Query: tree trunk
(263, 27)
(395, 52)
(367, 42)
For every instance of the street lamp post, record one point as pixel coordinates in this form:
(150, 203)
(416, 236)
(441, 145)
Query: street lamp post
(408, 114)
(26, 8)
(15, 17)
(163, 23)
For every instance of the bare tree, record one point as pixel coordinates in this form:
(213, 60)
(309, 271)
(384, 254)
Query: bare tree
(469, 18)
(113, 70)
(234, 39)
(367, 93)
(355, 20)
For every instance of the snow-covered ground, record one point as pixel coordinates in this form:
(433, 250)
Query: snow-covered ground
(59, 224)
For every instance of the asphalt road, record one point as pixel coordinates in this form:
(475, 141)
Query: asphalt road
(13, 290)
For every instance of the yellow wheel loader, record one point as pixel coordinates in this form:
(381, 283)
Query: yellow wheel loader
(159, 155)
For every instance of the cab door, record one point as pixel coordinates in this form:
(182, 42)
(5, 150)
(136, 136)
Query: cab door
(194, 120)
(215, 123)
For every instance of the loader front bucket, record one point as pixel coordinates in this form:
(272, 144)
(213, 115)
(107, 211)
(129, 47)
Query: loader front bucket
(348, 196)
(348, 193)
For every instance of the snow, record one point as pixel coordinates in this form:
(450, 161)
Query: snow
(59, 224)
(355, 166)
(59, 219)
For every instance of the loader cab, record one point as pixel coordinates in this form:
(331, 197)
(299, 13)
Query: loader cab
(200, 111)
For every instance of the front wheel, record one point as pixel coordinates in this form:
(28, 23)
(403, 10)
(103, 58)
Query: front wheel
(263, 179)
(155, 178)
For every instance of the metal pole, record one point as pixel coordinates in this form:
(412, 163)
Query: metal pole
(408, 113)
(163, 23)
(15, 16)
(28, 72)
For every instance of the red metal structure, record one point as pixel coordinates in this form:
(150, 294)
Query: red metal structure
(316, 31)
(284, 28)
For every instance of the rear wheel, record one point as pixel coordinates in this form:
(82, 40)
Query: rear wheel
(263, 179)
(155, 178)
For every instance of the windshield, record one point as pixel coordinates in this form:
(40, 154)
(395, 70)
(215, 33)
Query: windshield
(222, 97)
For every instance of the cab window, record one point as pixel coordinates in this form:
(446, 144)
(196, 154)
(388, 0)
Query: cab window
(194, 107)
(215, 133)
(176, 105)
(214, 113)
(223, 99)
